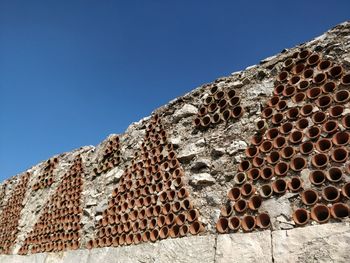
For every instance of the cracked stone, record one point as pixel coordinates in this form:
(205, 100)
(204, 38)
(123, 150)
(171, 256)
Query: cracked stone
(202, 179)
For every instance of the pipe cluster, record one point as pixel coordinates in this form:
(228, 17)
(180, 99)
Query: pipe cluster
(47, 178)
(110, 157)
(10, 215)
(219, 106)
(304, 125)
(58, 227)
(151, 201)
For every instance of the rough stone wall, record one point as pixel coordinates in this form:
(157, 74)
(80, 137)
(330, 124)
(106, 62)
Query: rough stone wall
(210, 158)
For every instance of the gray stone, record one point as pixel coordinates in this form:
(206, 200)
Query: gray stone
(200, 164)
(186, 111)
(244, 247)
(35, 258)
(263, 88)
(178, 250)
(277, 207)
(319, 243)
(202, 179)
(188, 153)
(236, 146)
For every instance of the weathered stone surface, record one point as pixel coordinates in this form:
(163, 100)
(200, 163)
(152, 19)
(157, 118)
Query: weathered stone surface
(240, 247)
(202, 179)
(319, 243)
(186, 111)
(37, 258)
(188, 249)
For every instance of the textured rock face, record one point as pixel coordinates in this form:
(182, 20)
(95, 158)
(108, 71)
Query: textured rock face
(209, 157)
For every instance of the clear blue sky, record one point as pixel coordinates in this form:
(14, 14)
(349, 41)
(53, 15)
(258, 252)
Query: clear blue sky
(72, 72)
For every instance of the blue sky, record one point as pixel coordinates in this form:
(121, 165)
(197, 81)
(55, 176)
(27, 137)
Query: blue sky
(72, 72)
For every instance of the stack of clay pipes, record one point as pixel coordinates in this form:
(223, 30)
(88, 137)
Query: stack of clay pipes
(304, 127)
(219, 106)
(58, 227)
(10, 215)
(110, 157)
(151, 201)
(47, 178)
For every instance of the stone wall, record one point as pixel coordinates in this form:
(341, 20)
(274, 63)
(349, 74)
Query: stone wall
(209, 155)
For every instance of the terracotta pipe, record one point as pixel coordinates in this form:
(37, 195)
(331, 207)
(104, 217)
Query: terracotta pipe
(279, 186)
(234, 101)
(324, 65)
(309, 197)
(301, 216)
(278, 90)
(315, 92)
(197, 122)
(254, 174)
(319, 160)
(164, 232)
(219, 95)
(306, 110)
(283, 76)
(154, 235)
(313, 132)
(289, 91)
(308, 73)
(230, 94)
(205, 121)
(251, 151)
(340, 155)
(345, 79)
(286, 128)
(346, 190)
(267, 113)
(183, 230)
(282, 105)
(254, 202)
(342, 96)
(273, 101)
(299, 97)
(244, 166)
(234, 223)
(304, 54)
(222, 225)
(303, 85)
(174, 231)
(263, 221)
(336, 111)
(226, 115)
(247, 189)
(237, 112)
(226, 210)
(186, 204)
(346, 121)
(319, 117)
(298, 163)
(313, 59)
(267, 173)
(287, 152)
(329, 87)
(330, 126)
(213, 90)
(334, 174)
(324, 101)
(323, 145)
(320, 213)
(281, 169)
(256, 140)
(320, 78)
(295, 184)
(261, 126)
(292, 113)
(271, 133)
(295, 137)
(294, 80)
(180, 219)
(273, 157)
(234, 194)
(288, 64)
(266, 146)
(330, 193)
(340, 210)
(335, 72)
(215, 118)
(240, 178)
(306, 148)
(317, 177)
(196, 228)
(192, 215)
(241, 206)
(279, 142)
(258, 161)
(248, 223)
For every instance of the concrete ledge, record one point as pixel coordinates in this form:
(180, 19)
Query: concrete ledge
(319, 243)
